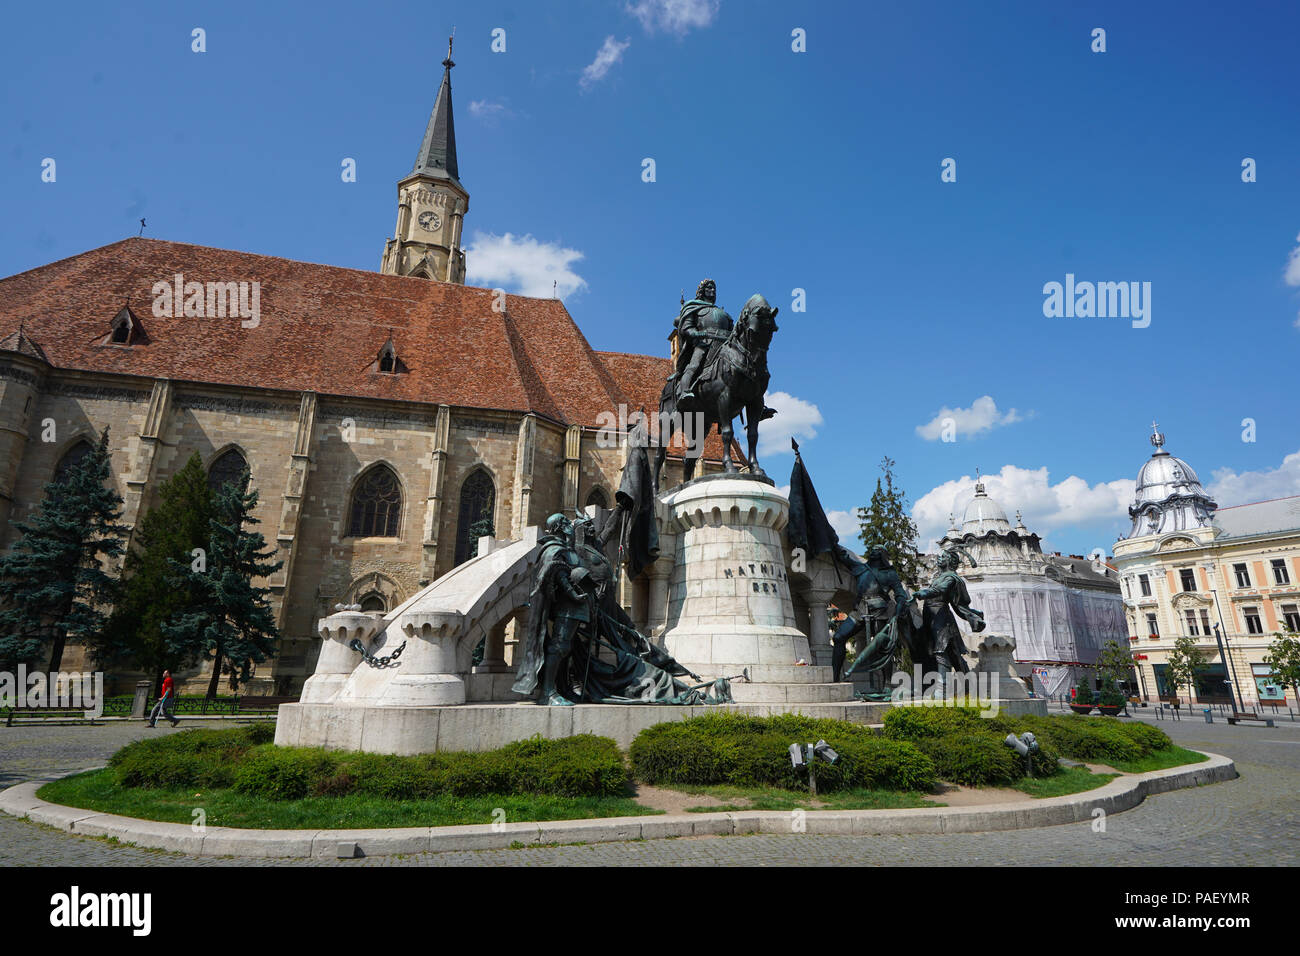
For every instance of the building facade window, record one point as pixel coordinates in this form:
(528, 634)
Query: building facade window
(477, 505)
(1192, 630)
(597, 497)
(1291, 615)
(1153, 629)
(1243, 575)
(1253, 624)
(1280, 575)
(1144, 584)
(376, 510)
(374, 601)
(71, 459)
(1205, 621)
(1188, 577)
(226, 470)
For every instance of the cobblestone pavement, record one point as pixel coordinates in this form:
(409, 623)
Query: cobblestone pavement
(1254, 820)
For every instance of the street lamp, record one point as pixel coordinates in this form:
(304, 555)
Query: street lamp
(1221, 638)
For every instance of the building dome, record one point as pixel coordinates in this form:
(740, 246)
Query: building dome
(983, 514)
(1169, 496)
(1164, 475)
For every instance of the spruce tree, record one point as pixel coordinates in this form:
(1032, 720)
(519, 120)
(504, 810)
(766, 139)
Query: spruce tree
(886, 522)
(233, 620)
(54, 583)
(170, 531)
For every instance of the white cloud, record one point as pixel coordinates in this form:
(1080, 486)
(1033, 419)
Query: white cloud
(1046, 507)
(610, 53)
(982, 416)
(1292, 274)
(846, 525)
(523, 265)
(795, 418)
(1230, 488)
(490, 111)
(674, 16)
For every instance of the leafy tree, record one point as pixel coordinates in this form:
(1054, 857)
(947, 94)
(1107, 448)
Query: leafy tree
(170, 531)
(886, 522)
(1283, 659)
(1113, 665)
(233, 621)
(54, 583)
(1185, 661)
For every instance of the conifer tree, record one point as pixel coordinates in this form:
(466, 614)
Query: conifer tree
(170, 531)
(886, 522)
(55, 583)
(233, 622)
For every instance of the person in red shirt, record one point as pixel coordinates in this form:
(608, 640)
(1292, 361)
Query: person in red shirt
(166, 703)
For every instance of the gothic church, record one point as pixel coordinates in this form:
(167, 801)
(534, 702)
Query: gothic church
(379, 459)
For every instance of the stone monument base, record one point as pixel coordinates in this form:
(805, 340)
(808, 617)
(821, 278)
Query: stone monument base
(487, 726)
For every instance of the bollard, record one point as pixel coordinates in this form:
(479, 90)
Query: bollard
(1209, 717)
(141, 699)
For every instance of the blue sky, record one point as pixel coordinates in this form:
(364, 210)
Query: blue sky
(774, 171)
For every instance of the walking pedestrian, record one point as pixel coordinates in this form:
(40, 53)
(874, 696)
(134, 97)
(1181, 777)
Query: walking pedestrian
(166, 703)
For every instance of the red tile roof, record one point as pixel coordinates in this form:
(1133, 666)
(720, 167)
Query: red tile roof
(321, 329)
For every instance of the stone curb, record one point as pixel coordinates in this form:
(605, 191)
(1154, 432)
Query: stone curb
(1120, 794)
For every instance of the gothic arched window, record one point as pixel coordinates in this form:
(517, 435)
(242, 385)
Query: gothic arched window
(374, 601)
(376, 505)
(71, 459)
(227, 469)
(477, 501)
(597, 497)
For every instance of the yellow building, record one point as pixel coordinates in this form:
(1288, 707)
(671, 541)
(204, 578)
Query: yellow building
(1227, 577)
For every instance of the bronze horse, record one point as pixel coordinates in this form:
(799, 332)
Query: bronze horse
(735, 380)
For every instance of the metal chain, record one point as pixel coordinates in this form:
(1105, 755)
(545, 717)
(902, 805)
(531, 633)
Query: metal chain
(373, 661)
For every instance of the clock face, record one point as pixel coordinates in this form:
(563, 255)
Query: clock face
(430, 220)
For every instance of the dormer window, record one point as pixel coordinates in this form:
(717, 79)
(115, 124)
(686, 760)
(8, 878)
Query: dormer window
(125, 329)
(388, 362)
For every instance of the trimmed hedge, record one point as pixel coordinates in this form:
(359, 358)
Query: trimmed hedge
(191, 758)
(741, 750)
(1096, 739)
(918, 722)
(245, 760)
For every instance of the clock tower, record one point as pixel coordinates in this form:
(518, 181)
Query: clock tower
(431, 202)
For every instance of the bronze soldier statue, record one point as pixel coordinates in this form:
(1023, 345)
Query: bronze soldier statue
(878, 586)
(938, 647)
(701, 326)
(562, 600)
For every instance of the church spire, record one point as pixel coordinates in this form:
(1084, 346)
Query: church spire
(437, 156)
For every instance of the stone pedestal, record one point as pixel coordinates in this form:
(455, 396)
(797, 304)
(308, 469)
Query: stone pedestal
(337, 661)
(728, 596)
(993, 655)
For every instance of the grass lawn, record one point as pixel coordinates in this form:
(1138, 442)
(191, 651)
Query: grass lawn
(1172, 756)
(1067, 780)
(776, 798)
(96, 790)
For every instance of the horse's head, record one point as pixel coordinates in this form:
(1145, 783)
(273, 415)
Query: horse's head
(758, 321)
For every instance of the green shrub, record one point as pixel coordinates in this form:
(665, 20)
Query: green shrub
(973, 760)
(920, 722)
(741, 750)
(1145, 735)
(283, 773)
(1097, 739)
(191, 758)
(579, 766)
